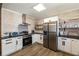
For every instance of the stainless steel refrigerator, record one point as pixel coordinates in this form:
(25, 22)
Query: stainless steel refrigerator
(50, 35)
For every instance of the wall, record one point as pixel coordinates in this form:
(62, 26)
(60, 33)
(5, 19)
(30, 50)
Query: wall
(39, 22)
(12, 18)
(10, 21)
(31, 21)
(71, 14)
(0, 27)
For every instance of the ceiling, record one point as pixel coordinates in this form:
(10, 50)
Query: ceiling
(52, 9)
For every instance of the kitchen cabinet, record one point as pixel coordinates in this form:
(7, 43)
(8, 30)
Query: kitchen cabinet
(68, 45)
(11, 45)
(60, 46)
(19, 43)
(40, 39)
(75, 46)
(64, 44)
(37, 38)
(8, 46)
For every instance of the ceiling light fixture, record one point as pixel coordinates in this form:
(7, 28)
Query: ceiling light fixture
(39, 7)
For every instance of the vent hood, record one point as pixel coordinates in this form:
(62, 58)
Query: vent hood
(24, 20)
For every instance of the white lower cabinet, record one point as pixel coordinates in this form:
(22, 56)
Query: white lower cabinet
(75, 46)
(37, 38)
(11, 45)
(8, 46)
(19, 43)
(68, 45)
(60, 46)
(40, 38)
(64, 44)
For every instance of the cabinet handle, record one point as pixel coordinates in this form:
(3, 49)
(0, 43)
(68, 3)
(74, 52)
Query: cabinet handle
(63, 43)
(18, 38)
(8, 42)
(16, 42)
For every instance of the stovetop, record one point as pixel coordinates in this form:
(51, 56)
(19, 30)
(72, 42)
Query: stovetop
(26, 36)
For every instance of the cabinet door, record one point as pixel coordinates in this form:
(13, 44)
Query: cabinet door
(38, 38)
(35, 38)
(67, 45)
(64, 44)
(75, 46)
(8, 46)
(60, 44)
(41, 39)
(19, 43)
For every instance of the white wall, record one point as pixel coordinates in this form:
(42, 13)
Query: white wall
(71, 14)
(41, 21)
(11, 19)
(30, 21)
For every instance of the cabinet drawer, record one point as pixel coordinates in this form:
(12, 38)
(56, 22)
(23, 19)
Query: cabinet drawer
(7, 40)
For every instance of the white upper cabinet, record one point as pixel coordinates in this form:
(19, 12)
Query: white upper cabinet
(51, 19)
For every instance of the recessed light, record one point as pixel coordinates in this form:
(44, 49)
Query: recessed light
(39, 7)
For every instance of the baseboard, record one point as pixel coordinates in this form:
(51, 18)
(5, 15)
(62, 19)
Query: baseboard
(67, 53)
(39, 43)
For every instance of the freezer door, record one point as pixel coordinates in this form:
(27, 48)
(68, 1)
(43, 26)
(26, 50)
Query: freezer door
(52, 41)
(52, 27)
(45, 39)
(45, 27)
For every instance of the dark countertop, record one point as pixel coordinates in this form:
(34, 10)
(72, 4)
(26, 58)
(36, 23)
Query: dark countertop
(10, 37)
(37, 33)
(13, 36)
(73, 37)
